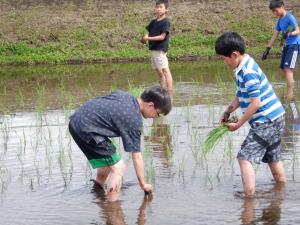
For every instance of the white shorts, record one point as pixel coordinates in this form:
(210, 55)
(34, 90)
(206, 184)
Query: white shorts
(159, 60)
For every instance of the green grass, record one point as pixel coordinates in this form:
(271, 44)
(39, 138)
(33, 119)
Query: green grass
(105, 32)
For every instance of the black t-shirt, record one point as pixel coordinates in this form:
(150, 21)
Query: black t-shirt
(114, 115)
(156, 28)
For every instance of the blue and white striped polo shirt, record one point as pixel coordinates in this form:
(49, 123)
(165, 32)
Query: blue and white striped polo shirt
(251, 82)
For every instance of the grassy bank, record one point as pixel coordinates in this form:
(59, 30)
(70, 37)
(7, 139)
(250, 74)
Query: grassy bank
(52, 31)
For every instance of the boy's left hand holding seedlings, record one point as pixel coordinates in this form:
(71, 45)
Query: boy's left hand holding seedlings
(252, 108)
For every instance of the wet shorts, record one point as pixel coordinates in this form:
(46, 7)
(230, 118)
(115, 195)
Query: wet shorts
(289, 56)
(263, 142)
(99, 155)
(159, 60)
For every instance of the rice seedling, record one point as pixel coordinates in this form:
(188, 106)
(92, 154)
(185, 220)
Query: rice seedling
(136, 91)
(149, 166)
(113, 88)
(209, 183)
(66, 100)
(182, 166)
(219, 171)
(41, 102)
(294, 163)
(5, 128)
(215, 135)
(20, 155)
(90, 91)
(4, 179)
(20, 99)
(169, 152)
(188, 112)
(31, 186)
(196, 143)
(88, 172)
(69, 149)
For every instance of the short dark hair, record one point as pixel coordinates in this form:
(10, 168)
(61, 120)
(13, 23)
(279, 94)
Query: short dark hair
(165, 2)
(160, 98)
(230, 42)
(274, 4)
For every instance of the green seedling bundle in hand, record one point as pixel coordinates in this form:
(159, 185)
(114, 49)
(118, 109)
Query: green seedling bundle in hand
(215, 135)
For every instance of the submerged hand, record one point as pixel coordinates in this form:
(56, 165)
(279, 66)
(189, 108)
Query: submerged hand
(147, 188)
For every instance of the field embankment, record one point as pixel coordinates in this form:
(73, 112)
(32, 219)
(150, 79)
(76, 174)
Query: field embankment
(77, 31)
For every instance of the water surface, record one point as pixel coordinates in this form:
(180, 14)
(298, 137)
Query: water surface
(45, 179)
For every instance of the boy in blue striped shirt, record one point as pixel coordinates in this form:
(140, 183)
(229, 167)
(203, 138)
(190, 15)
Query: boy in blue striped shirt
(261, 108)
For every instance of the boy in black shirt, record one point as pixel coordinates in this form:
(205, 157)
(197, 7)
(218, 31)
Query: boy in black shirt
(158, 38)
(116, 115)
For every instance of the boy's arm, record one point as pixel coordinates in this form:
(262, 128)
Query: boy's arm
(275, 35)
(269, 46)
(139, 170)
(252, 108)
(160, 37)
(295, 32)
(231, 108)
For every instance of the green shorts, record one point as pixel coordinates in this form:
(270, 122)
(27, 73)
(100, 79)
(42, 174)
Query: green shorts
(101, 154)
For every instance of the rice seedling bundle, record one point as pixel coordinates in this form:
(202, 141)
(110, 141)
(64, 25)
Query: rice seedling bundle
(215, 136)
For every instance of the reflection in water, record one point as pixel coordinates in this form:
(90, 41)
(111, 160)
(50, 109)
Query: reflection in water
(270, 214)
(112, 211)
(160, 134)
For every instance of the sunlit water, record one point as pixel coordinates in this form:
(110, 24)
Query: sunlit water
(45, 178)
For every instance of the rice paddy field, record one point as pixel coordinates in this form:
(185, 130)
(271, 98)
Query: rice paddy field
(45, 178)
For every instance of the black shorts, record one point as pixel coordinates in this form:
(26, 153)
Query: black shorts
(102, 154)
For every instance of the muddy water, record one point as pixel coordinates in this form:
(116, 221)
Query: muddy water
(45, 179)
